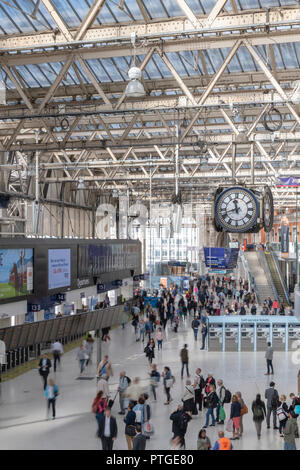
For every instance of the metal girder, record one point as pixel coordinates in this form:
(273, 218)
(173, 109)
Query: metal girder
(243, 173)
(89, 19)
(58, 20)
(93, 80)
(243, 21)
(179, 80)
(189, 14)
(215, 11)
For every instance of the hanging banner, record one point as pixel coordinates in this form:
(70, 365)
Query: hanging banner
(288, 181)
(285, 235)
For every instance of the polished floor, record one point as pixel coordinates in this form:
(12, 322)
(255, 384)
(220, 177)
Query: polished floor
(23, 423)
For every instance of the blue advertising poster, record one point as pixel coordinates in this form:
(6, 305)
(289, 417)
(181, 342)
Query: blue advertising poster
(221, 258)
(16, 272)
(59, 268)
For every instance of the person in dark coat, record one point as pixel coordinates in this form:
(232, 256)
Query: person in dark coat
(44, 368)
(139, 441)
(180, 420)
(107, 430)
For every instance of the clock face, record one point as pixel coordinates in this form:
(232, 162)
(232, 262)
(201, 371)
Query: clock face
(236, 209)
(268, 210)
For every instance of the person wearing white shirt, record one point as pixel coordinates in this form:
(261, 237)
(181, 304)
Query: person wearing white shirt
(108, 429)
(57, 351)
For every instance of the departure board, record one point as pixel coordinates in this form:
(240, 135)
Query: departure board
(33, 327)
(47, 331)
(14, 341)
(24, 336)
(7, 337)
(61, 327)
(39, 333)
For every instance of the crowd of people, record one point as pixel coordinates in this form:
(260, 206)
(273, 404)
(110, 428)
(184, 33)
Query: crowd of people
(203, 395)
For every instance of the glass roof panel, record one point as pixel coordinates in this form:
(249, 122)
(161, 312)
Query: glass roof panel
(99, 72)
(67, 13)
(155, 9)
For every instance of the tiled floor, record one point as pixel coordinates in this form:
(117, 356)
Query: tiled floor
(23, 409)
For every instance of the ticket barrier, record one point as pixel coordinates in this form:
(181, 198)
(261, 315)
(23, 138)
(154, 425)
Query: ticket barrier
(262, 336)
(293, 336)
(278, 336)
(215, 337)
(247, 337)
(231, 336)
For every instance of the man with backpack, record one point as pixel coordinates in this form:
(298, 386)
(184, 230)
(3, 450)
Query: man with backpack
(259, 413)
(123, 385)
(272, 398)
(224, 396)
(195, 326)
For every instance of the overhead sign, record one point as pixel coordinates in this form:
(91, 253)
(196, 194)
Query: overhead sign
(292, 181)
(221, 258)
(59, 268)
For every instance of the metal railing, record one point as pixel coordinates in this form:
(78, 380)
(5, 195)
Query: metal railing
(264, 265)
(251, 278)
(286, 294)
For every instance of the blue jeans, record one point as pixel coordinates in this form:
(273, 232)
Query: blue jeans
(289, 446)
(210, 412)
(142, 334)
(196, 333)
(159, 344)
(82, 364)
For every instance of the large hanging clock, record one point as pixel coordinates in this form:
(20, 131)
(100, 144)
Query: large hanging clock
(237, 209)
(268, 209)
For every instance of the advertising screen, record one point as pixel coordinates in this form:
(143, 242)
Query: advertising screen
(59, 268)
(16, 272)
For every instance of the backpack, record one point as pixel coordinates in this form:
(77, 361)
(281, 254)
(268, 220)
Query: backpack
(128, 380)
(227, 397)
(274, 401)
(139, 415)
(258, 412)
(281, 413)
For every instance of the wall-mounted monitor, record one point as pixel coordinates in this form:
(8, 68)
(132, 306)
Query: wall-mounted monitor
(16, 272)
(59, 268)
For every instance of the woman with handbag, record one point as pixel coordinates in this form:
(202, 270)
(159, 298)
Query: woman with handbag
(235, 416)
(149, 350)
(168, 383)
(129, 420)
(244, 411)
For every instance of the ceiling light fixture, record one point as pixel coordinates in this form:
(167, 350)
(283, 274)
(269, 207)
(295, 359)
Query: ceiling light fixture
(134, 88)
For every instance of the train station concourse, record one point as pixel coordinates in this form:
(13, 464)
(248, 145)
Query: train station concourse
(149, 227)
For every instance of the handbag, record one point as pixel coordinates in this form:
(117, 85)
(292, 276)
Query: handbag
(130, 430)
(222, 414)
(297, 409)
(147, 428)
(169, 383)
(244, 410)
(229, 425)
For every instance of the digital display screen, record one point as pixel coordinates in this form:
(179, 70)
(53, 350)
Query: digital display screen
(16, 272)
(59, 268)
